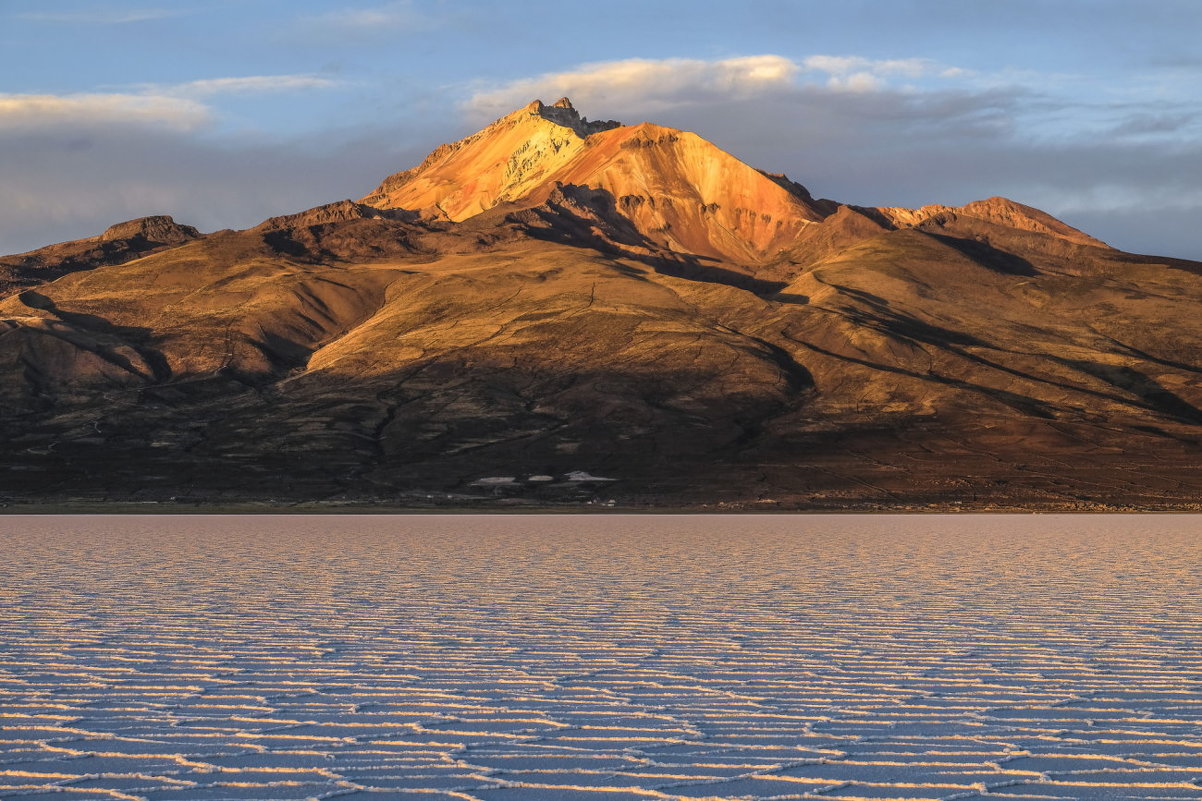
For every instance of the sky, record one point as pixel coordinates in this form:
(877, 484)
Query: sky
(225, 112)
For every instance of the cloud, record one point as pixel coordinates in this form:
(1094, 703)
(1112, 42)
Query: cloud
(101, 16)
(656, 84)
(859, 74)
(250, 84)
(67, 112)
(369, 22)
(173, 107)
(646, 83)
(1156, 124)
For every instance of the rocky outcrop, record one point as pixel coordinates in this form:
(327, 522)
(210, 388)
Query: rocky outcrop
(118, 244)
(998, 210)
(340, 211)
(562, 112)
(160, 230)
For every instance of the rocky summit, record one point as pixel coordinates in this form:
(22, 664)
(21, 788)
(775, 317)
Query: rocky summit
(555, 311)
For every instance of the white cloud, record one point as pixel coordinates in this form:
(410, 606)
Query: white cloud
(175, 107)
(655, 84)
(101, 16)
(843, 65)
(641, 82)
(386, 18)
(244, 85)
(858, 74)
(28, 111)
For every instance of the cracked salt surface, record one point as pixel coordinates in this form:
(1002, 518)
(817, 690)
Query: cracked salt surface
(633, 657)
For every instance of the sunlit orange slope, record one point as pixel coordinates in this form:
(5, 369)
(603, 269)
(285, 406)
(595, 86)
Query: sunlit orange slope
(681, 192)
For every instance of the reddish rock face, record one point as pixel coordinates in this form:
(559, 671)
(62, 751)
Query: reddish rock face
(554, 297)
(682, 193)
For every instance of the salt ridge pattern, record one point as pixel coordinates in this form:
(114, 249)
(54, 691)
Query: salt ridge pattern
(600, 658)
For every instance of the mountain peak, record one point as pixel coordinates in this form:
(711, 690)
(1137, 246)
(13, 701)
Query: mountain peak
(683, 193)
(562, 112)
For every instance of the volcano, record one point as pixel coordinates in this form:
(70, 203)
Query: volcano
(555, 311)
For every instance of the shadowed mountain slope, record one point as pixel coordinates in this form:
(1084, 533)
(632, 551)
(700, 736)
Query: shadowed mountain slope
(552, 300)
